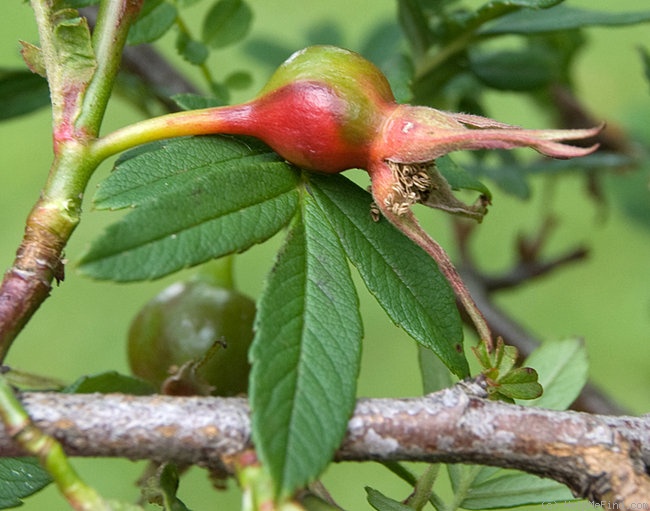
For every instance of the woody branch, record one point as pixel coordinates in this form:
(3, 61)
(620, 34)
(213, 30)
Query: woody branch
(602, 458)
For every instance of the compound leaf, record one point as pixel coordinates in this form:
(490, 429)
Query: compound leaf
(194, 199)
(403, 278)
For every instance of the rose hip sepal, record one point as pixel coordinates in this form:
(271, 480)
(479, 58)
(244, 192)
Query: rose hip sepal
(327, 109)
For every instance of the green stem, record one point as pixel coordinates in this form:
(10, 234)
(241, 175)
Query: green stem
(423, 488)
(48, 451)
(468, 474)
(56, 214)
(113, 21)
(409, 225)
(218, 272)
(234, 120)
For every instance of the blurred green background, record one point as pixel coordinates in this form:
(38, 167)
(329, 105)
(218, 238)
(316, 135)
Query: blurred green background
(81, 329)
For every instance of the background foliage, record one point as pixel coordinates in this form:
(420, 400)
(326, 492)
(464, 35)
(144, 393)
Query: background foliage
(606, 299)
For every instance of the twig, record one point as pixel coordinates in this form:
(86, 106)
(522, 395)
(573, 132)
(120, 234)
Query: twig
(598, 457)
(591, 399)
(482, 286)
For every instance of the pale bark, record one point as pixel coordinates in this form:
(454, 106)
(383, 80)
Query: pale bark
(603, 458)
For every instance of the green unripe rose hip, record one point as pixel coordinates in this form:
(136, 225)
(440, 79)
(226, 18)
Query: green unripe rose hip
(182, 324)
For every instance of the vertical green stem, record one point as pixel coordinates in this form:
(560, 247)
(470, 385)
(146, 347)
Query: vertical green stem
(467, 475)
(56, 214)
(423, 488)
(49, 452)
(218, 272)
(113, 21)
(77, 114)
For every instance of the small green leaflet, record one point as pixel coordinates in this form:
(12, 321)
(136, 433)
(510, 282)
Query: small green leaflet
(20, 478)
(155, 19)
(195, 52)
(563, 371)
(403, 278)
(227, 22)
(381, 502)
(194, 199)
(498, 488)
(306, 353)
(558, 18)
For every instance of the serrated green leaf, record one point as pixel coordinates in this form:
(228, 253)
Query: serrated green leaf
(401, 276)
(227, 22)
(381, 502)
(153, 23)
(172, 167)
(562, 367)
(560, 17)
(108, 382)
(21, 92)
(20, 478)
(520, 383)
(498, 488)
(305, 355)
(198, 198)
